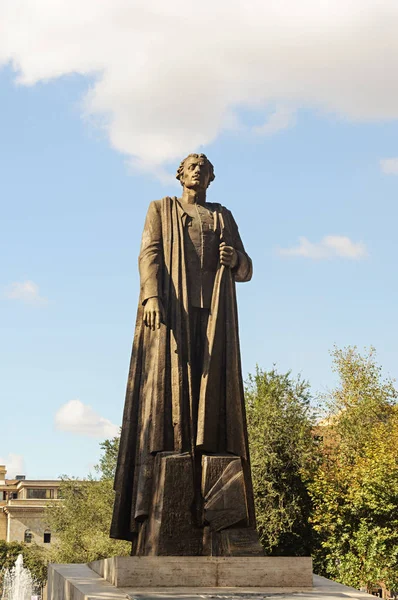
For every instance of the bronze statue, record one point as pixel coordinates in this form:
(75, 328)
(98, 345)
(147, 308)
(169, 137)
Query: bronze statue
(183, 483)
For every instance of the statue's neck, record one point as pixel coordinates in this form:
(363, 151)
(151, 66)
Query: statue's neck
(190, 196)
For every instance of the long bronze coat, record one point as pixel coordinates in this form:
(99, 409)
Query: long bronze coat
(158, 408)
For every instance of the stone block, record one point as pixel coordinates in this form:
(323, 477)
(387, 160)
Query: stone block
(78, 582)
(212, 468)
(171, 531)
(205, 571)
(225, 503)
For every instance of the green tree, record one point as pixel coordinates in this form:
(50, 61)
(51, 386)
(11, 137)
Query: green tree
(81, 521)
(355, 489)
(283, 454)
(106, 467)
(35, 559)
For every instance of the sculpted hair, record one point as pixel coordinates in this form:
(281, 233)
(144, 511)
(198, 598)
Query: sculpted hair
(180, 170)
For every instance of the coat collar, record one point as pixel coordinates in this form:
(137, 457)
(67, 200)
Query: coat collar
(217, 208)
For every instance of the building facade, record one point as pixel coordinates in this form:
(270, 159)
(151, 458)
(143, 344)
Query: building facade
(22, 508)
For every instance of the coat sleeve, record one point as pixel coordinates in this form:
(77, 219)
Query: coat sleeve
(244, 269)
(151, 255)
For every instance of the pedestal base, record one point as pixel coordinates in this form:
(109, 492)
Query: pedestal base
(205, 571)
(79, 582)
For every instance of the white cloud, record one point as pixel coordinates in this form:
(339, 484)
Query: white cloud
(25, 291)
(281, 119)
(169, 76)
(331, 246)
(76, 417)
(15, 465)
(389, 166)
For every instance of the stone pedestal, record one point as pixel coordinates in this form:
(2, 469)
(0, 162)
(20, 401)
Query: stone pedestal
(204, 571)
(194, 578)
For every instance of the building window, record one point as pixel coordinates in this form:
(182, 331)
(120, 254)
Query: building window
(47, 537)
(28, 536)
(39, 494)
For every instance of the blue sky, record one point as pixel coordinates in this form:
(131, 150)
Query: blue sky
(75, 191)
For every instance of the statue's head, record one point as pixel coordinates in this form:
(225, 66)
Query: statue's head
(196, 172)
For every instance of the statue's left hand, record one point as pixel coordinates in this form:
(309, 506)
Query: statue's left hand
(228, 256)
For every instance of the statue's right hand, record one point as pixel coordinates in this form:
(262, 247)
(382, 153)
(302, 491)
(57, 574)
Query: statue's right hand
(154, 313)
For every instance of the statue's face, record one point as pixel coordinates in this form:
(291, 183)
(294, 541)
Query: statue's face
(196, 174)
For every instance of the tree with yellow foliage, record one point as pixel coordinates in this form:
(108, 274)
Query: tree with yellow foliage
(355, 489)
